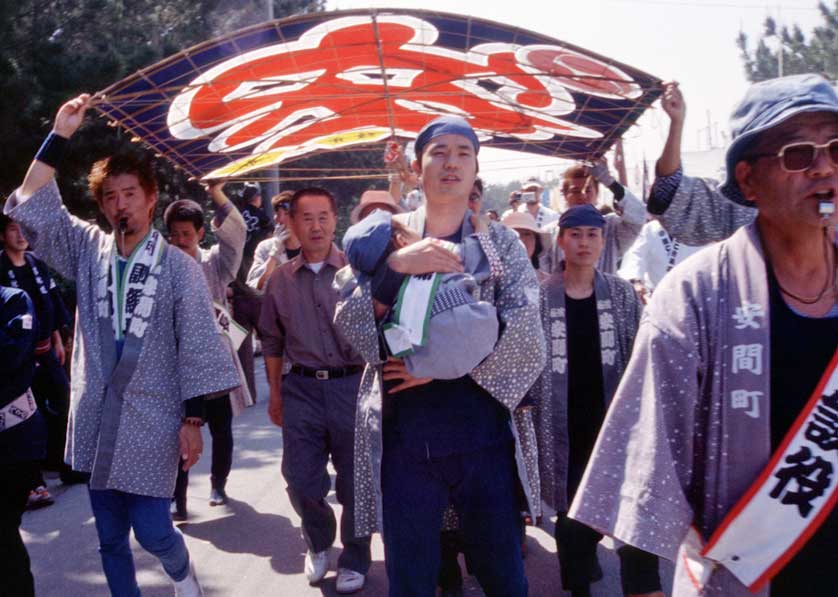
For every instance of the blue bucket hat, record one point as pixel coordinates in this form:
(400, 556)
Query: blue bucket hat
(766, 105)
(445, 125)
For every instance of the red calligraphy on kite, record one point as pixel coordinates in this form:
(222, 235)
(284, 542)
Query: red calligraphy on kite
(264, 100)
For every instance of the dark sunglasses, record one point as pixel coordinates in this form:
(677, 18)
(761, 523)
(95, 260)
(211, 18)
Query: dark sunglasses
(797, 157)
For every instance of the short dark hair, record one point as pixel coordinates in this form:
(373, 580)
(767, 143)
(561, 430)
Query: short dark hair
(295, 198)
(283, 197)
(479, 184)
(4, 222)
(121, 163)
(184, 210)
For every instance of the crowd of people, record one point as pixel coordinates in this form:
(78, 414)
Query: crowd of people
(664, 372)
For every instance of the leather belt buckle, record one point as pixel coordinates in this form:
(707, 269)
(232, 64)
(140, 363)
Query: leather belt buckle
(321, 374)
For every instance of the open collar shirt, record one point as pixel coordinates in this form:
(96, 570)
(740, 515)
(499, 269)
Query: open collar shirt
(296, 319)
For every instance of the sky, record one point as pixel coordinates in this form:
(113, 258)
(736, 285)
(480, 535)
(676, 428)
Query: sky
(693, 42)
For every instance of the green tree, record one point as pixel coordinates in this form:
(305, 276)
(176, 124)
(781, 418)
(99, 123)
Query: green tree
(816, 54)
(52, 50)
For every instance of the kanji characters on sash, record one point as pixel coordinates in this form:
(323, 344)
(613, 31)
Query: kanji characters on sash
(745, 316)
(822, 430)
(558, 335)
(747, 357)
(745, 400)
(809, 475)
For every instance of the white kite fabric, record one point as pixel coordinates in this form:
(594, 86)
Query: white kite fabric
(287, 89)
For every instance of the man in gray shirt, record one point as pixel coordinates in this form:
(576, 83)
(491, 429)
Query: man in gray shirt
(315, 402)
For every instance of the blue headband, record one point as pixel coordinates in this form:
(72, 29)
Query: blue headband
(582, 215)
(445, 125)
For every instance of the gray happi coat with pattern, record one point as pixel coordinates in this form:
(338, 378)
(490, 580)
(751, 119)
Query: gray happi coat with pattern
(700, 214)
(689, 429)
(220, 264)
(125, 415)
(618, 314)
(506, 374)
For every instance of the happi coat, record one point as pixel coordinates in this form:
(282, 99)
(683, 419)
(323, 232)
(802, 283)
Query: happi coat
(621, 230)
(125, 415)
(689, 429)
(220, 264)
(506, 374)
(699, 213)
(618, 315)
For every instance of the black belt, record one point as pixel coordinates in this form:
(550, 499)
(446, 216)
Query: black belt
(327, 372)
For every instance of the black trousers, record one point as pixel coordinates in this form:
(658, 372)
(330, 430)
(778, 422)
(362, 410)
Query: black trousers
(576, 545)
(246, 312)
(14, 562)
(219, 417)
(52, 393)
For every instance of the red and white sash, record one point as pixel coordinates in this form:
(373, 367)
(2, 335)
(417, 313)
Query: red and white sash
(790, 499)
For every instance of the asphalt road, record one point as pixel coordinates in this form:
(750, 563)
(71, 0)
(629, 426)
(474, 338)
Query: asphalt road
(251, 547)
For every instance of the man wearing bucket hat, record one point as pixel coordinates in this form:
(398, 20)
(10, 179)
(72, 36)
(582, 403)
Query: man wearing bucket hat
(423, 444)
(590, 319)
(720, 448)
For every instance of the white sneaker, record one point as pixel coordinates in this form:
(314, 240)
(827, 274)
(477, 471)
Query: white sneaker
(316, 566)
(189, 587)
(349, 581)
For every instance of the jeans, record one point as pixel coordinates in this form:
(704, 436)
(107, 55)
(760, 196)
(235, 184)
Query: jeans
(116, 513)
(481, 485)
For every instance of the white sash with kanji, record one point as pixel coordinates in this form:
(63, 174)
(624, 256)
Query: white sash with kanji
(790, 499)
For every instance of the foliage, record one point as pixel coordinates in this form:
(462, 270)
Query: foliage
(52, 50)
(816, 54)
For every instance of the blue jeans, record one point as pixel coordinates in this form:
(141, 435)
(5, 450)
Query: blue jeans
(481, 485)
(116, 513)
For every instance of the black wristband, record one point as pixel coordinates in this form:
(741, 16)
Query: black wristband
(52, 150)
(617, 190)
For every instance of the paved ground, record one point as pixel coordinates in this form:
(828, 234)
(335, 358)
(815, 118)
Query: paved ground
(250, 548)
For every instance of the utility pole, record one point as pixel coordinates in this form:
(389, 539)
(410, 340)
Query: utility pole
(709, 131)
(780, 39)
(271, 186)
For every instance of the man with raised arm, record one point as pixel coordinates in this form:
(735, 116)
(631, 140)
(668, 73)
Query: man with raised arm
(147, 351)
(580, 186)
(692, 210)
(184, 221)
(272, 252)
(720, 449)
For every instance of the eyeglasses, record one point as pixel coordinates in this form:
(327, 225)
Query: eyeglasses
(797, 157)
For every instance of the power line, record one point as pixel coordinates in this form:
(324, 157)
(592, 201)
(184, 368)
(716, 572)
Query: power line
(702, 4)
